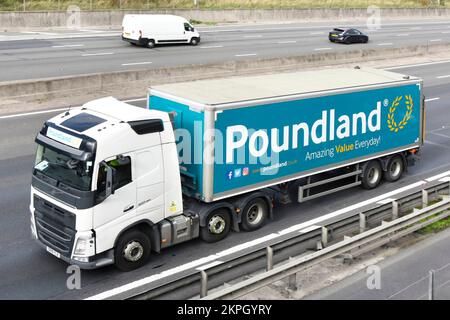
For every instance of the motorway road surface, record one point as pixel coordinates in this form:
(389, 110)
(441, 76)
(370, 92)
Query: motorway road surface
(28, 272)
(30, 55)
(403, 276)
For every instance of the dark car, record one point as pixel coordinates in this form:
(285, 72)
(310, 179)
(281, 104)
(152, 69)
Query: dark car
(347, 36)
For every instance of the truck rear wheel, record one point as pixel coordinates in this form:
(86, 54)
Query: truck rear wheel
(132, 250)
(371, 175)
(255, 214)
(217, 226)
(394, 169)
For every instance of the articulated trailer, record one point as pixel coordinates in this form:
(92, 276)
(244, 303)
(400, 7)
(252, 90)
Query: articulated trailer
(113, 182)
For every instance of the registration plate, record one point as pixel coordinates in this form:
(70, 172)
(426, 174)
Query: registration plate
(334, 35)
(53, 252)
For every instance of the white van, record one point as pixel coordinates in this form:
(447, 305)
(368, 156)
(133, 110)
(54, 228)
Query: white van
(152, 29)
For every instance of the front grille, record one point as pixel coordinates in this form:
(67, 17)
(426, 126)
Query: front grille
(55, 226)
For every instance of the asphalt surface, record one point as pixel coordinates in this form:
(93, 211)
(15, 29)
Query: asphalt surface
(404, 276)
(54, 53)
(28, 272)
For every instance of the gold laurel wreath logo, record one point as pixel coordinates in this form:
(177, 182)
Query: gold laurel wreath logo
(392, 124)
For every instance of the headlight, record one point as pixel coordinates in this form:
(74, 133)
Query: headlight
(85, 245)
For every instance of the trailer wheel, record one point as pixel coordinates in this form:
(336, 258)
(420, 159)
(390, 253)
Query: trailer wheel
(217, 226)
(394, 169)
(132, 250)
(151, 44)
(371, 175)
(255, 214)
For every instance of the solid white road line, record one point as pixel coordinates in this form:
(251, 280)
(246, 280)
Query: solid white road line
(246, 245)
(94, 31)
(40, 33)
(97, 54)
(300, 227)
(289, 41)
(438, 176)
(417, 65)
(321, 49)
(385, 44)
(317, 33)
(245, 55)
(432, 99)
(69, 46)
(435, 40)
(255, 36)
(443, 77)
(210, 47)
(403, 35)
(136, 63)
(33, 113)
(55, 110)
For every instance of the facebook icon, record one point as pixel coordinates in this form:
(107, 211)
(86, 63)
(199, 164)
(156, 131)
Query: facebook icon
(230, 174)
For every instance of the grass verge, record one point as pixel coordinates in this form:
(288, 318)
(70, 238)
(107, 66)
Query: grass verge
(436, 226)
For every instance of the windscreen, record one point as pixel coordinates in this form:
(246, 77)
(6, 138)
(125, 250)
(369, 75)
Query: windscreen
(72, 172)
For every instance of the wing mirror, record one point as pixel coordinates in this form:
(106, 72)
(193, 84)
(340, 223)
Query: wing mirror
(109, 179)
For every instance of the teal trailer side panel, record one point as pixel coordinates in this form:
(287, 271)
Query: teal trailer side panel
(188, 129)
(259, 145)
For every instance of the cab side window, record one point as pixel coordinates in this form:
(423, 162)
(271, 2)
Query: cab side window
(122, 167)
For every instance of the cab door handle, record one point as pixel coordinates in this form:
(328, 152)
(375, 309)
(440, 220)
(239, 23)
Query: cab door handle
(128, 208)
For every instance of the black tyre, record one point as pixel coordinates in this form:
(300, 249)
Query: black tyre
(347, 40)
(394, 169)
(255, 214)
(194, 41)
(132, 250)
(151, 44)
(217, 226)
(371, 175)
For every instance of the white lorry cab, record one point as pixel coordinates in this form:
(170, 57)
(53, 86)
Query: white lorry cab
(152, 29)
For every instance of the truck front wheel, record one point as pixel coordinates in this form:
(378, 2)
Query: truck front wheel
(371, 175)
(132, 250)
(255, 214)
(217, 226)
